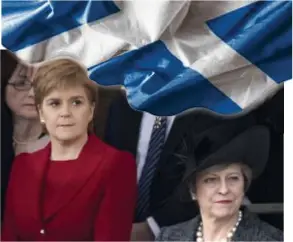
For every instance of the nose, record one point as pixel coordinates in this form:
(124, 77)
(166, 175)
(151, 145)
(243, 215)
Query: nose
(65, 111)
(31, 92)
(30, 72)
(223, 189)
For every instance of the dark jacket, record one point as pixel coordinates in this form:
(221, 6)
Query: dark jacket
(251, 228)
(122, 132)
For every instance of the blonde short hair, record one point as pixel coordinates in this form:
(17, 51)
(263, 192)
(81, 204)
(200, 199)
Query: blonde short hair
(61, 74)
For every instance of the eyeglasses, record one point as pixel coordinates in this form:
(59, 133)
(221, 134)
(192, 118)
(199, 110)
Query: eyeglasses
(24, 85)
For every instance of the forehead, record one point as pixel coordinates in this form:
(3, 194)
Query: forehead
(66, 93)
(22, 71)
(223, 169)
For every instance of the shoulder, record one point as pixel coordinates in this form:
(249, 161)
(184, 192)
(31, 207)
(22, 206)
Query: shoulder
(20, 164)
(182, 231)
(24, 157)
(123, 161)
(268, 232)
(117, 166)
(256, 229)
(113, 156)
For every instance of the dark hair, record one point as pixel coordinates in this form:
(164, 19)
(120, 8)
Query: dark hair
(8, 65)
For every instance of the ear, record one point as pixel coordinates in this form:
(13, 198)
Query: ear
(40, 113)
(193, 196)
(92, 110)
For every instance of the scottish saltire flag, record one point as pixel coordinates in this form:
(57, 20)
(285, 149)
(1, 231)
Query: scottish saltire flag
(171, 56)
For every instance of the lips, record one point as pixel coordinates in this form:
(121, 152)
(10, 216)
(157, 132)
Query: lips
(224, 201)
(65, 125)
(29, 106)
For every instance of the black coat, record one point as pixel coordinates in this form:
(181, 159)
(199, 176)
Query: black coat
(122, 132)
(251, 228)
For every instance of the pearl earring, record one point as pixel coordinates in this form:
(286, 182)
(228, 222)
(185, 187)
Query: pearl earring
(193, 196)
(42, 121)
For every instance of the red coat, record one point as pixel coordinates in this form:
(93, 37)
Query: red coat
(100, 206)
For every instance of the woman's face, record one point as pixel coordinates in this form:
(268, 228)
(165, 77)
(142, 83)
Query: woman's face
(220, 192)
(19, 93)
(67, 113)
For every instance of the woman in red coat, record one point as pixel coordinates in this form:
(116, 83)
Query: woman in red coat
(77, 188)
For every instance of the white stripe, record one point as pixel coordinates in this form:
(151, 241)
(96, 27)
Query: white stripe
(87, 45)
(207, 54)
(137, 24)
(142, 22)
(187, 37)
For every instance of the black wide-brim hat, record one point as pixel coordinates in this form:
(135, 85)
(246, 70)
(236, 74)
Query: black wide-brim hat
(233, 141)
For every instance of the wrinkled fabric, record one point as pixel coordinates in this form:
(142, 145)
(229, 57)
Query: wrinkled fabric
(170, 55)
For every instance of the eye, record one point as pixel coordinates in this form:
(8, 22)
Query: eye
(77, 102)
(20, 82)
(233, 178)
(210, 180)
(54, 103)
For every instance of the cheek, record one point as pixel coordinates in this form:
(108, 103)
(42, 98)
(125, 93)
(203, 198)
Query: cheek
(84, 115)
(204, 194)
(13, 99)
(238, 191)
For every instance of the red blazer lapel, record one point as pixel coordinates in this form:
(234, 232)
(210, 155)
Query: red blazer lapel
(84, 167)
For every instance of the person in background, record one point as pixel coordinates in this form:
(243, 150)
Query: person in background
(21, 130)
(77, 188)
(28, 135)
(154, 141)
(221, 162)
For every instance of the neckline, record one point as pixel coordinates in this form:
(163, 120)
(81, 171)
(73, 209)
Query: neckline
(230, 233)
(85, 146)
(63, 161)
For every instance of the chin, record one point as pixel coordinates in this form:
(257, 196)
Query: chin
(222, 213)
(29, 115)
(67, 136)
(28, 112)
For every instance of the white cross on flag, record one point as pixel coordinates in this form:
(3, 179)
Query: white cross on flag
(170, 55)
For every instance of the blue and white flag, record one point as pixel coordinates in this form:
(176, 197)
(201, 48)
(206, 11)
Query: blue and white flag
(170, 55)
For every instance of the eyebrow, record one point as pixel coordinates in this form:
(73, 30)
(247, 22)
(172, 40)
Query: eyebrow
(210, 174)
(71, 98)
(228, 174)
(52, 99)
(23, 72)
(78, 96)
(234, 173)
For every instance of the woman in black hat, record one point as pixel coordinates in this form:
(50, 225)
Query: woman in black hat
(221, 163)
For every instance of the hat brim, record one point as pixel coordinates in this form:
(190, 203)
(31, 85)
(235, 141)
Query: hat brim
(250, 147)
